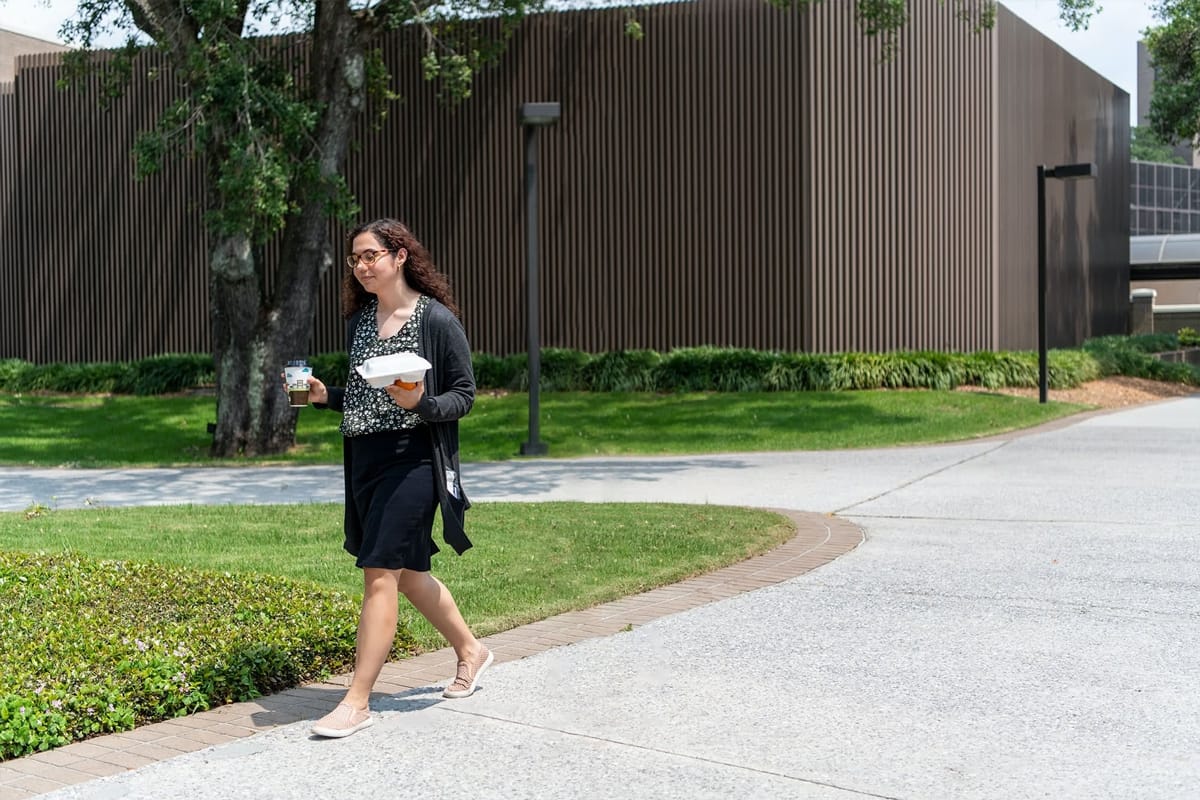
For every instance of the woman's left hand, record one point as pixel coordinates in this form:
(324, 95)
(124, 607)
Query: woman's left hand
(406, 398)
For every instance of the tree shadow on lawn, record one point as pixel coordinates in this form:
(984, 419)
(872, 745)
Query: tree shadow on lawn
(118, 428)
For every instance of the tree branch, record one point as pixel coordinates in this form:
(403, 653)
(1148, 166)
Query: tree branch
(166, 24)
(373, 19)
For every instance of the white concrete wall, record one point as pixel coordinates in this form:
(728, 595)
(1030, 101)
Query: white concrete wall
(13, 44)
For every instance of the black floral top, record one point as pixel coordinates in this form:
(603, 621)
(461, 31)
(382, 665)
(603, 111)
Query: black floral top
(370, 410)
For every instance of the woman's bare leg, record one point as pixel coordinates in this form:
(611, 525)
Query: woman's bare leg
(431, 597)
(379, 617)
(376, 631)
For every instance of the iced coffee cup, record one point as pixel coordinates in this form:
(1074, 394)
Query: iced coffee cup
(296, 375)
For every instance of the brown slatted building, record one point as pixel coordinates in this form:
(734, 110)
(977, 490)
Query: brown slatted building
(742, 176)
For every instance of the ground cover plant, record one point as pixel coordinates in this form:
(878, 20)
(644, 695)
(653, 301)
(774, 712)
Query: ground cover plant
(115, 617)
(93, 646)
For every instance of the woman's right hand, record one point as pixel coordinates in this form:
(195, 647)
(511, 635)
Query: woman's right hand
(317, 393)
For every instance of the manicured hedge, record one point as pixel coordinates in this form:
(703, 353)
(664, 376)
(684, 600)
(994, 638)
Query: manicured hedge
(691, 369)
(731, 369)
(156, 375)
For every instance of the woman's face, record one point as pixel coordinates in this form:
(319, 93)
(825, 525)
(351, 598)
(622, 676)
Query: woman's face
(375, 266)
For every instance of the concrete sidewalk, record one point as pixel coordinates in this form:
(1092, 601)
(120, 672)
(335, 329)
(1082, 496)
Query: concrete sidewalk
(1023, 620)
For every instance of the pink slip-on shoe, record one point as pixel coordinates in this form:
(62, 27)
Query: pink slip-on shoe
(464, 682)
(343, 721)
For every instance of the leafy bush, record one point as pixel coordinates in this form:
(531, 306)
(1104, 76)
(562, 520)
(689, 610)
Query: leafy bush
(498, 372)
(169, 373)
(926, 369)
(97, 378)
(859, 370)
(89, 647)
(12, 373)
(623, 371)
(693, 369)
(1133, 356)
(43, 378)
(714, 369)
(148, 376)
(331, 368)
(518, 365)
(996, 370)
(1145, 343)
(562, 370)
(800, 372)
(1188, 337)
(1069, 368)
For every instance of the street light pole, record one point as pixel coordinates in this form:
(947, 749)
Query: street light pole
(533, 116)
(1062, 172)
(1043, 366)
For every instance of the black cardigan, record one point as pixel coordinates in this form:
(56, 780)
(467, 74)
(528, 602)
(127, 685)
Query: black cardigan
(449, 395)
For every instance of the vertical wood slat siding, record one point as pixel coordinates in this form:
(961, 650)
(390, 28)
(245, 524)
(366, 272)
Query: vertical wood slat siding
(742, 176)
(1054, 110)
(105, 268)
(11, 317)
(899, 223)
(657, 217)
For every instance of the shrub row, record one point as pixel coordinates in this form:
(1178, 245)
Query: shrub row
(155, 375)
(736, 370)
(90, 647)
(726, 369)
(683, 370)
(1134, 356)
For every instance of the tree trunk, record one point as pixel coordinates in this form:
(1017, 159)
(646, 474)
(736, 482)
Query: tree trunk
(253, 341)
(255, 335)
(253, 414)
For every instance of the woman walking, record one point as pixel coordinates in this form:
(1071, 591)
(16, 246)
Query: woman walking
(400, 451)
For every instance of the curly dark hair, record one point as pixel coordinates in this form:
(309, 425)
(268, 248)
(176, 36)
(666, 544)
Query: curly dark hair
(419, 270)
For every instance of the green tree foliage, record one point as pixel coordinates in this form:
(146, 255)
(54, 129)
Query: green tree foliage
(1175, 104)
(244, 99)
(1144, 145)
(885, 19)
(1076, 14)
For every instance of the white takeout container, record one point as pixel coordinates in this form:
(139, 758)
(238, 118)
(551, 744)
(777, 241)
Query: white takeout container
(384, 370)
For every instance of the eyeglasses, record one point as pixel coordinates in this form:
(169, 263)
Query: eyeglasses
(367, 258)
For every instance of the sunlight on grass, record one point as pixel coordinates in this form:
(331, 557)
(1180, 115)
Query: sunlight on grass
(530, 560)
(172, 431)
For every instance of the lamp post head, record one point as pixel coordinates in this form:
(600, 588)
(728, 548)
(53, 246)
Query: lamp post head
(539, 113)
(1068, 172)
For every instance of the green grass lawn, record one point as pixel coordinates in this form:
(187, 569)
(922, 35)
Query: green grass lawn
(531, 560)
(115, 431)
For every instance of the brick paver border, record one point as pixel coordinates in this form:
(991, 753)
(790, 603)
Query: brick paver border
(819, 539)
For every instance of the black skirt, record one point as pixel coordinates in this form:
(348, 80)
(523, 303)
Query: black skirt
(390, 499)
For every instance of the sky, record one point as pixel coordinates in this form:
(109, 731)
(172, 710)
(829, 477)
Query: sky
(1109, 46)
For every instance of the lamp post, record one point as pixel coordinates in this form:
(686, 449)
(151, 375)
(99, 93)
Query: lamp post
(1062, 172)
(533, 117)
